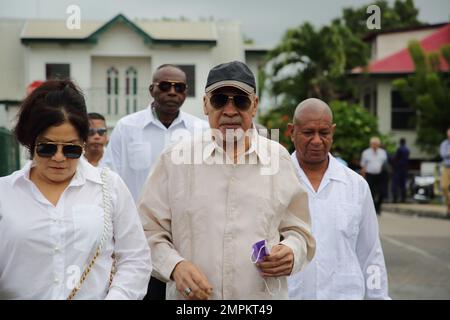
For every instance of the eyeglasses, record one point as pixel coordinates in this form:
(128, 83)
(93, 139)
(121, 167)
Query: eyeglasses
(219, 100)
(100, 131)
(165, 86)
(49, 149)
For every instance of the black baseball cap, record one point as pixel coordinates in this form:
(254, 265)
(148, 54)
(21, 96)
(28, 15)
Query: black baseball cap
(231, 74)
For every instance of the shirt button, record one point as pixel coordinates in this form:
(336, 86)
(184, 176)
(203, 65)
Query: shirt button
(56, 249)
(56, 280)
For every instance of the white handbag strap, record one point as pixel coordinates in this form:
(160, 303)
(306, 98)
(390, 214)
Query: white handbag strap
(106, 227)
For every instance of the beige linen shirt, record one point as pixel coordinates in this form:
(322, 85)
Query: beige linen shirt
(211, 214)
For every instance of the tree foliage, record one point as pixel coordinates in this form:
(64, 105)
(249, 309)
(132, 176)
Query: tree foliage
(354, 128)
(401, 14)
(313, 62)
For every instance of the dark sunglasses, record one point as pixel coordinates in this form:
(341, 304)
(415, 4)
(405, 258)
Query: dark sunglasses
(49, 149)
(219, 100)
(100, 131)
(165, 86)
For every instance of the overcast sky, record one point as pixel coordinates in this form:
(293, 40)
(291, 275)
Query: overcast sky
(262, 20)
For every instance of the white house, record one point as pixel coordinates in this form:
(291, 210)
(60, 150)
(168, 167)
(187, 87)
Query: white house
(113, 61)
(390, 60)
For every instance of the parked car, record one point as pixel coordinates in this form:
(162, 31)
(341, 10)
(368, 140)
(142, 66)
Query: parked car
(426, 185)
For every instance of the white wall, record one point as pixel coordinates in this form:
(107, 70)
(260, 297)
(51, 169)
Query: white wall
(384, 115)
(3, 116)
(230, 45)
(8, 116)
(387, 44)
(97, 95)
(12, 55)
(77, 56)
(120, 41)
(384, 105)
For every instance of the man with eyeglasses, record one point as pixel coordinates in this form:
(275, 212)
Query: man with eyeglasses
(221, 226)
(97, 138)
(138, 139)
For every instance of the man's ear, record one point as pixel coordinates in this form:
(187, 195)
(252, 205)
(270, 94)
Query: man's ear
(255, 106)
(150, 89)
(290, 131)
(205, 108)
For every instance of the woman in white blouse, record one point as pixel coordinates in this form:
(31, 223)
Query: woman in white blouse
(61, 220)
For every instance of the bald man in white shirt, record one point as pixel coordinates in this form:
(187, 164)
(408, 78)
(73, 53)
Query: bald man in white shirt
(349, 262)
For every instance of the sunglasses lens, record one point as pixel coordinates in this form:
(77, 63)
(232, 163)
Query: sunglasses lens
(180, 87)
(164, 86)
(46, 150)
(72, 151)
(242, 102)
(218, 100)
(100, 131)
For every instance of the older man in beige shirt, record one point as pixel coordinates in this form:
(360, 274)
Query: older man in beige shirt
(210, 198)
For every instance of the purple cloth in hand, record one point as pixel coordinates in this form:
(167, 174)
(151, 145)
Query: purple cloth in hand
(259, 251)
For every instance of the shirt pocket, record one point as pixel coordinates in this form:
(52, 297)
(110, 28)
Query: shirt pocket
(139, 155)
(349, 286)
(88, 221)
(347, 219)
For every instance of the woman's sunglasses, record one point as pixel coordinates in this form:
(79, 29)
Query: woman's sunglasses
(219, 100)
(100, 131)
(165, 86)
(49, 149)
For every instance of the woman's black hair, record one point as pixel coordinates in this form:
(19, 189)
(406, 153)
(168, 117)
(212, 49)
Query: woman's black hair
(51, 104)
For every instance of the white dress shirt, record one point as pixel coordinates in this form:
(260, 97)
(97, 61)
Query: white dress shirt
(373, 161)
(136, 142)
(45, 248)
(349, 261)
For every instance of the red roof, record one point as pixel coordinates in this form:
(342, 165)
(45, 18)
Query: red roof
(401, 62)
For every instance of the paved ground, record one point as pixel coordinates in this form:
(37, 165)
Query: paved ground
(417, 253)
(423, 210)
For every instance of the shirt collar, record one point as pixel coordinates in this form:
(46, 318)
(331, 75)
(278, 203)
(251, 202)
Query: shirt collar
(258, 145)
(150, 117)
(86, 171)
(335, 170)
(23, 173)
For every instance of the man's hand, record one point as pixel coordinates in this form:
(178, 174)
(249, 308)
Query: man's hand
(188, 277)
(278, 263)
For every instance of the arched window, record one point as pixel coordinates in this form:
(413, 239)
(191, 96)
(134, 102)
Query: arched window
(112, 89)
(131, 89)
